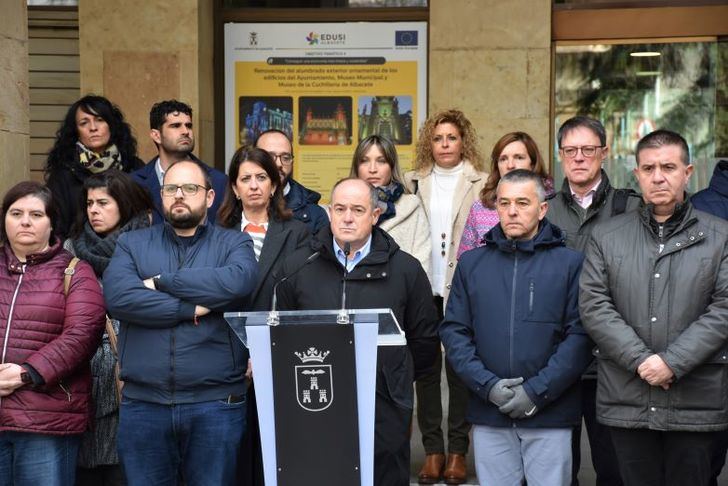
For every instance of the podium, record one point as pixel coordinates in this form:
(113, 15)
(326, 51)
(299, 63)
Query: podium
(315, 384)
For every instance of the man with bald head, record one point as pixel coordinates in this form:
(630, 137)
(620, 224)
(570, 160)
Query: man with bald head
(378, 275)
(183, 405)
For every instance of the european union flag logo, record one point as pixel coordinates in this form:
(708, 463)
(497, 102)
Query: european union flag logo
(405, 38)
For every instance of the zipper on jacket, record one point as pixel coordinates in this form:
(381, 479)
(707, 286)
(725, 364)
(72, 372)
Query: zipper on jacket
(10, 316)
(10, 320)
(68, 393)
(513, 316)
(530, 297)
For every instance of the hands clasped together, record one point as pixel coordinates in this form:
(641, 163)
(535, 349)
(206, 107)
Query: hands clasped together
(511, 398)
(655, 371)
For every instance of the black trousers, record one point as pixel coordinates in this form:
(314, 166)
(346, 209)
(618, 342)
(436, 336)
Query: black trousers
(603, 457)
(655, 458)
(719, 456)
(429, 407)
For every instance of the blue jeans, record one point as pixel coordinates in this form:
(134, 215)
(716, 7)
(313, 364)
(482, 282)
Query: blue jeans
(32, 459)
(156, 442)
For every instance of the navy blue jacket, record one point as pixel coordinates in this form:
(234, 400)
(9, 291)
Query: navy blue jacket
(513, 312)
(714, 198)
(147, 178)
(165, 356)
(304, 204)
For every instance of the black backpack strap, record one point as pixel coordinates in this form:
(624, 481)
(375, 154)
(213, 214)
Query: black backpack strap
(619, 200)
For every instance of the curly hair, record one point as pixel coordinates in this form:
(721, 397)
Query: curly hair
(63, 153)
(228, 216)
(538, 166)
(471, 151)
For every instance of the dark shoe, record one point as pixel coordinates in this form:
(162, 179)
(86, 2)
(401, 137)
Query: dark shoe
(456, 471)
(431, 471)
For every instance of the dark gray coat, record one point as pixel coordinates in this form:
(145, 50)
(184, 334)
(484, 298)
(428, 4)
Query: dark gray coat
(636, 301)
(565, 213)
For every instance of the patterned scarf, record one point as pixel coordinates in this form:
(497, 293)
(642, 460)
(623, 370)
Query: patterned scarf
(97, 250)
(97, 163)
(388, 195)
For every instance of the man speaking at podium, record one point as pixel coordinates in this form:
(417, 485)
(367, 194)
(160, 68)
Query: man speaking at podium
(377, 274)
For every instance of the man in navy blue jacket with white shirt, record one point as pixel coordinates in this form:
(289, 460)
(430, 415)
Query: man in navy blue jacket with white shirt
(512, 332)
(183, 405)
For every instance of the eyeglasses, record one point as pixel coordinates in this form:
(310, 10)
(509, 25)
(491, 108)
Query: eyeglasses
(170, 190)
(586, 150)
(285, 158)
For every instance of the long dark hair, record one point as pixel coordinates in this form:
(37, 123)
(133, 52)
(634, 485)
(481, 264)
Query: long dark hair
(63, 152)
(131, 198)
(28, 188)
(231, 209)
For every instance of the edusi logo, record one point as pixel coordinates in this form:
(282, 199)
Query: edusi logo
(312, 38)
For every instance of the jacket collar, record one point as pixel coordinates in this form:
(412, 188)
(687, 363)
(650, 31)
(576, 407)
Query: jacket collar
(382, 247)
(680, 219)
(16, 266)
(600, 195)
(299, 196)
(200, 231)
(548, 235)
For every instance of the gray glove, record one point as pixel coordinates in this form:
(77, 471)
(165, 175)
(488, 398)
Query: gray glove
(520, 406)
(501, 392)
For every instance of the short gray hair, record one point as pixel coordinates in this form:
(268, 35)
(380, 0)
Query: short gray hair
(583, 122)
(373, 195)
(524, 175)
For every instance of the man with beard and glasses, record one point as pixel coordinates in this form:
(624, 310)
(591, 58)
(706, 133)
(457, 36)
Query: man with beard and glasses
(302, 201)
(183, 404)
(171, 130)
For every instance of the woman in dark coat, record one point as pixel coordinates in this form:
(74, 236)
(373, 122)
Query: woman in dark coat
(92, 139)
(114, 205)
(254, 203)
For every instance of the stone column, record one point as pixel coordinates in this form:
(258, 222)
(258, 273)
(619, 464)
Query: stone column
(492, 59)
(138, 52)
(14, 95)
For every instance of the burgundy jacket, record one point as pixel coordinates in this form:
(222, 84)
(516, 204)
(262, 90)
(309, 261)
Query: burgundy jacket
(55, 335)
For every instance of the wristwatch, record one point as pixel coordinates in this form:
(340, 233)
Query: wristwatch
(26, 378)
(155, 282)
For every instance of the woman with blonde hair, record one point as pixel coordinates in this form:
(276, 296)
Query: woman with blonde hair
(403, 217)
(448, 177)
(514, 150)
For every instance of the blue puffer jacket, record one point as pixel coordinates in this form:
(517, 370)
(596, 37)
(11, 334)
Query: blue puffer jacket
(513, 313)
(304, 204)
(714, 198)
(165, 356)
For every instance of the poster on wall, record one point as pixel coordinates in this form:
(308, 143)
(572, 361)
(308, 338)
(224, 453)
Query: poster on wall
(327, 86)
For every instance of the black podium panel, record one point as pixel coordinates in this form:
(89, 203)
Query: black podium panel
(314, 390)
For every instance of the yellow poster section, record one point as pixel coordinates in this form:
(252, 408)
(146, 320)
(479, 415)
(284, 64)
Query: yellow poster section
(317, 166)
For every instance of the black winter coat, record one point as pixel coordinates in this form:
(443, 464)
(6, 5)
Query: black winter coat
(386, 278)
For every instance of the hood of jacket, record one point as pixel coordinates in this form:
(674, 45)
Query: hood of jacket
(299, 196)
(719, 180)
(548, 235)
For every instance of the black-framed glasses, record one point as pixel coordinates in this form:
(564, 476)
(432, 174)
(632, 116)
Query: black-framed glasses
(586, 150)
(170, 190)
(285, 157)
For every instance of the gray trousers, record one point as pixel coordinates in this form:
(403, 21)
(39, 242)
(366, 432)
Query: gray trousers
(505, 456)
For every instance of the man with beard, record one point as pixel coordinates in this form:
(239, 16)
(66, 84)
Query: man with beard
(302, 201)
(171, 130)
(183, 405)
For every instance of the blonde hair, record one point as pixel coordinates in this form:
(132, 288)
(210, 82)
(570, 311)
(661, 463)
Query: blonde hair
(471, 151)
